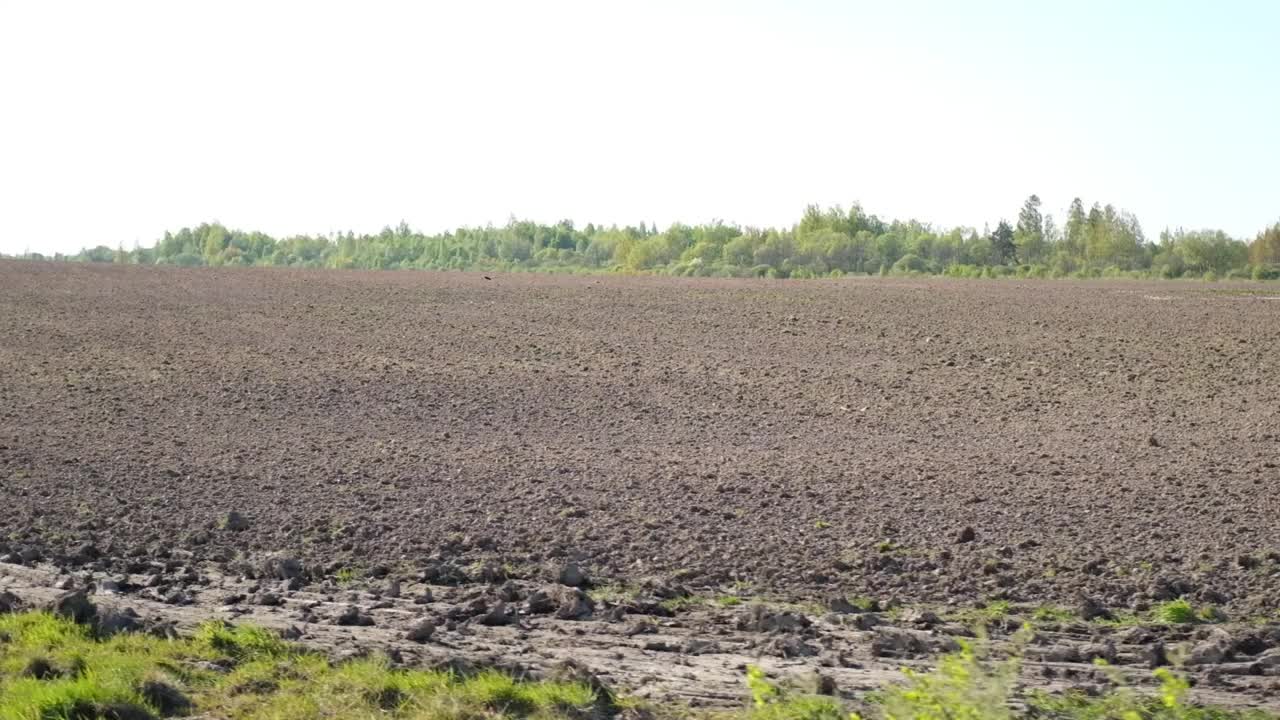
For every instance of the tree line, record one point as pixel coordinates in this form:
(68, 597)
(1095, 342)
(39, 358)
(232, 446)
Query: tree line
(826, 242)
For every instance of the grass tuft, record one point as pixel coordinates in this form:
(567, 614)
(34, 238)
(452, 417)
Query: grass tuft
(263, 677)
(244, 673)
(1175, 612)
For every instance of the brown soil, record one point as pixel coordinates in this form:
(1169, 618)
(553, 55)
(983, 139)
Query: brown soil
(795, 440)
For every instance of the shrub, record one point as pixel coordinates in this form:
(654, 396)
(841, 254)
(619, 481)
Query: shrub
(909, 264)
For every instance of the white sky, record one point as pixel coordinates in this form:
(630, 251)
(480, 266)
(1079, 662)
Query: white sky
(121, 120)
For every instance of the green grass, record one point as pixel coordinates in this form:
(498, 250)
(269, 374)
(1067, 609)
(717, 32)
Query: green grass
(865, 604)
(683, 603)
(1175, 612)
(1049, 613)
(770, 701)
(993, 612)
(970, 685)
(1123, 704)
(53, 669)
(997, 609)
(141, 676)
(617, 594)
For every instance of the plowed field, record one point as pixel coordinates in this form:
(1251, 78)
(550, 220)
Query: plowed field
(925, 441)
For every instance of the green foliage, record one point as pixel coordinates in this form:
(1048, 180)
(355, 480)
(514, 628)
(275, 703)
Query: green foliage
(83, 676)
(965, 686)
(347, 576)
(997, 610)
(1265, 249)
(990, 614)
(1175, 612)
(681, 604)
(772, 702)
(242, 642)
(1002, 245)
(968, 685)
(1046, 613)
(1170, 703)
(763, 692)
(51, 668)
(78, 676)
(1030, 234)
(865, 604)
(826, 242)
(910, 264)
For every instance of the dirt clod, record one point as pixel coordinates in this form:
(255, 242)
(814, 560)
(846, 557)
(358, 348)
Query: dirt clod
(572, 603)
(353, 616)
(74, 605)
(234, 521)
(570, 574)
(421, 631)
(280, 567)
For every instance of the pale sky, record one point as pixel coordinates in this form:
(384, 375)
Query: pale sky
(121, 120)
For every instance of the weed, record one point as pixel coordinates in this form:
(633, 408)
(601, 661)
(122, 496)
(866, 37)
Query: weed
(1047, 613)
(763, 692)
(347, 576)
(265, 677)
(770, 702)
(997, 609)
(965, 685)
(1170, 703)
(993, 612)
(613, 593)
(821, 525)
(681, 604)
(1175, 612)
